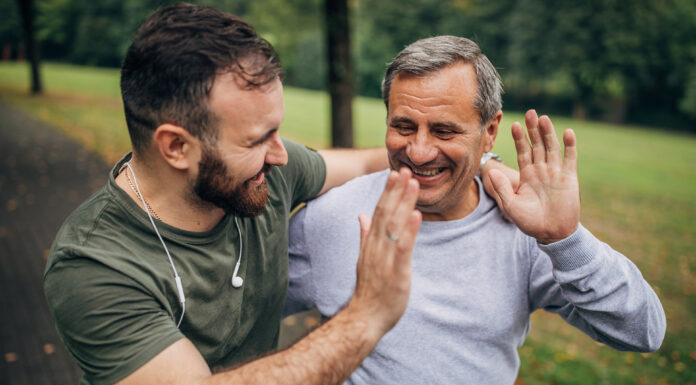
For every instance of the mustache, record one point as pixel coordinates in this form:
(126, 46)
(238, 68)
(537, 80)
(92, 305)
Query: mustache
(265, 169)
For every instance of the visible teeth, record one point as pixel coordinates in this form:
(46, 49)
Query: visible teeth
(427, 172)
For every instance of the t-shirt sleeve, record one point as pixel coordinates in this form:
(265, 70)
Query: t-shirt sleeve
(305, 172)
(108, 322)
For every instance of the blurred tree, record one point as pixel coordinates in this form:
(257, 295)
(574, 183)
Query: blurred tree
(56, 27)
(101, 33)
(295, 30)
(340, 72)
(26, 8)
(10, 29)
(611, 57)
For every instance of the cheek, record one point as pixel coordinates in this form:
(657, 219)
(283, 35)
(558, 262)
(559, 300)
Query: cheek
(395, 143)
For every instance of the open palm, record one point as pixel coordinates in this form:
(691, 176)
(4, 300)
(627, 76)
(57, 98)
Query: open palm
(546, 204)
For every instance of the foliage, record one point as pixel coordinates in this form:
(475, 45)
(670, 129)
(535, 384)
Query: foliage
(611, 59)
(10, 25)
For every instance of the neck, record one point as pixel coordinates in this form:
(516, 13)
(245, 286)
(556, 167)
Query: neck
(167, 192)
(457, 210)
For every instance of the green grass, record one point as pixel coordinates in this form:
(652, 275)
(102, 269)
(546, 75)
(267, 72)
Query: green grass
(638, 194)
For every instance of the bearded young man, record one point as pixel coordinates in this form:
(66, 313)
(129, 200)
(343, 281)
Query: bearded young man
(179, 264)
(476, 277)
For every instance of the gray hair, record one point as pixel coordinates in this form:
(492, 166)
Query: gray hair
(434, 53)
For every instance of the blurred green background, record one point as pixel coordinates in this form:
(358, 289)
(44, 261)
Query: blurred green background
(622, 74)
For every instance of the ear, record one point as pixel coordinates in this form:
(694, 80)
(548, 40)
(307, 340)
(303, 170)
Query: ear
(177, 146)
(491, 131)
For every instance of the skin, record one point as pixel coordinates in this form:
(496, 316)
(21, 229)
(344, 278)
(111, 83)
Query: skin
(546, 204)
(248, 141)
(434, 129)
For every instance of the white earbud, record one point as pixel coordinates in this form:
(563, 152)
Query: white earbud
(237, 281)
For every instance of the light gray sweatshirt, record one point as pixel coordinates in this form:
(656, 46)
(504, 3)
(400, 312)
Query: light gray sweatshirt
(475, 282)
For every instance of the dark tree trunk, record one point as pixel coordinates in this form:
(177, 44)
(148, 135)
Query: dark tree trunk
(26, 8)
(340, 73)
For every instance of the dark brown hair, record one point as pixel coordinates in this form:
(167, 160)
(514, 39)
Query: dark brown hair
(171, 65)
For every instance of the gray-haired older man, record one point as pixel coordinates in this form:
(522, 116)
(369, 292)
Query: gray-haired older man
(476, 277)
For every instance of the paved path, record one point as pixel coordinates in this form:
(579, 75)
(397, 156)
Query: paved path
(43, 177)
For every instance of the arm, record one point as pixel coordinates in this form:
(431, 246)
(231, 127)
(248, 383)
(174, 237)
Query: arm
(343, 165)
(330, 353)
(597, 290)
(590, 285)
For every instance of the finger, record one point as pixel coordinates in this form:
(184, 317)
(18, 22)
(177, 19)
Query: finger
(399, 219)
(503, 189)
(524, 151)
(393, 190)
(551, 145)
(538, 151)
(365, 223)
(570, 158)
(406, 242)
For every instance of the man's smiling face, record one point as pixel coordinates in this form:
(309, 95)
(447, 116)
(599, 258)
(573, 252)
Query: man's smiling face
(434, 130)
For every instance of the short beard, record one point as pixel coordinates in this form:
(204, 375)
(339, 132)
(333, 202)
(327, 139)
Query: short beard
(212, 183)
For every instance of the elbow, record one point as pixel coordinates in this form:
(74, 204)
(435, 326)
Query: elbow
(653, 332)
(656, 334)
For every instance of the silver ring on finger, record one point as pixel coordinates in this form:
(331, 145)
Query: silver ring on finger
(392, 237)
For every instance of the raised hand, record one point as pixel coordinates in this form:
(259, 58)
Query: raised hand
(384, 267)
(546, 205)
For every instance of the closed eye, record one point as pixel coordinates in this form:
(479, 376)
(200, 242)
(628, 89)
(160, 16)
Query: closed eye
(265, 138)
(403, 129)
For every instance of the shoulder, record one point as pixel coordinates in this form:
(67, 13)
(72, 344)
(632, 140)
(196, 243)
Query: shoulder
(334, 214)
(301, 178)
(302, 158)
(79, 226)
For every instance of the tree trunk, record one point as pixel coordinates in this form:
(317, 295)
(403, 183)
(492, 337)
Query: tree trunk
(340, 72)
(27, 11)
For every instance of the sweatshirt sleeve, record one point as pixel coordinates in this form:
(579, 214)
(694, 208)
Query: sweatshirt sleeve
(597, 290)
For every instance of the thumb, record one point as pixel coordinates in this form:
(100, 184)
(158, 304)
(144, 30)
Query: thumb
(502, 187)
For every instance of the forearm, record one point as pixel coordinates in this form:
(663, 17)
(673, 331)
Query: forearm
(606, 293)
(326, 356)
(343, 165)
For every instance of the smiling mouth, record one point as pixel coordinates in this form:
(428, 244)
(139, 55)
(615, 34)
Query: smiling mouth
(427, 172)
(258, 178)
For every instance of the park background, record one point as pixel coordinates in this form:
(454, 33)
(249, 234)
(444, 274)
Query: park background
(622, 74)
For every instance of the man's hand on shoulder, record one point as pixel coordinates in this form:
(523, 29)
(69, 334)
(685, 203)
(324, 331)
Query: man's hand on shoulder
(511, 174)
(546, 205)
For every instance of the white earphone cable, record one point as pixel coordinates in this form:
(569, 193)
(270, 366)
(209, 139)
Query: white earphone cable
(177, 278)
(237, 281)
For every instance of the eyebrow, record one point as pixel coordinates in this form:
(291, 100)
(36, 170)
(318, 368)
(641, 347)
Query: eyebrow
(450, 125)
(400, 119)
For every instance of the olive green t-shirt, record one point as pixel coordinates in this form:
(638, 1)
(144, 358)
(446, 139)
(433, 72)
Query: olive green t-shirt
(112, 291)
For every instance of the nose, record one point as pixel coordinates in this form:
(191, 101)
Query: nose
(420, 150)
(276, 155)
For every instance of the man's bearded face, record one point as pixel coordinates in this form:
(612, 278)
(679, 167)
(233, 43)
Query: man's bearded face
(215, 184)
